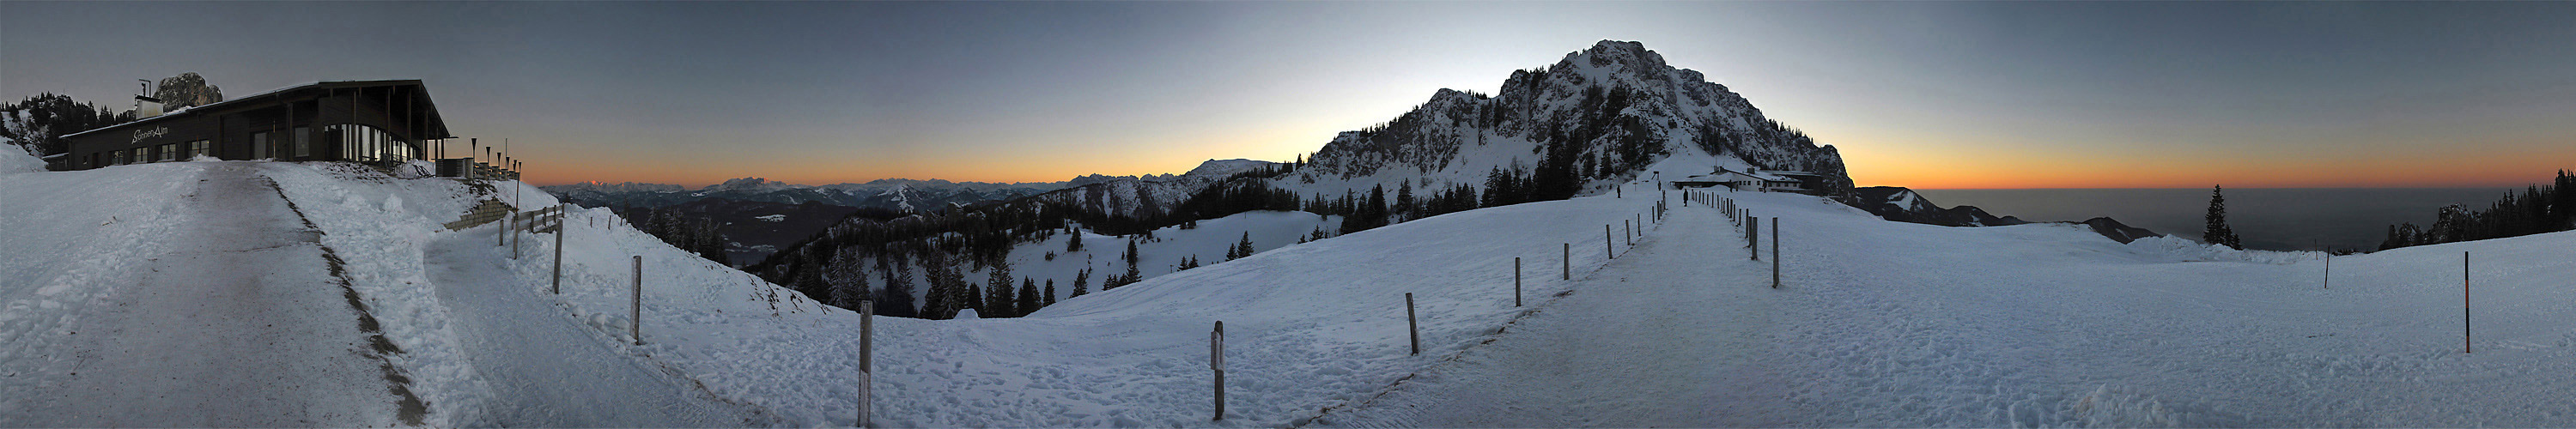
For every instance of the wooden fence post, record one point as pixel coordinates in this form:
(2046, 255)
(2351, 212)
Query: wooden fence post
(867, 358)
(1775, 252)
(1516, 281)
(1753, 237)
(1412, 331)
(1216, 362)
(635, 319)
(2329, 270)
(1569, 261)
(1608, 251)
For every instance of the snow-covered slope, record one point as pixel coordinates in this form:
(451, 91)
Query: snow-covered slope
(1879, 323)
(2043, 325)
(13, 159)
(1158, 253)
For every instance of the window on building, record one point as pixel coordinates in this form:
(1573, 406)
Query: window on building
(116, 157)
(170, 152)
(205, 148)
(303, 142)
(259, 145)
(366, 143)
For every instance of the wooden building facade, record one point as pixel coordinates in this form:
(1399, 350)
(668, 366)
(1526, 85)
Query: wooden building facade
(385, 121)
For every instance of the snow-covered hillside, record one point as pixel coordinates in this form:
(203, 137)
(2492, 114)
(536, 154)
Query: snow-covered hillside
(2045, 325)
(138, 296)
(1158, 253)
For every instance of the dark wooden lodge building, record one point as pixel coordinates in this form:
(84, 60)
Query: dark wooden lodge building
(384, 121)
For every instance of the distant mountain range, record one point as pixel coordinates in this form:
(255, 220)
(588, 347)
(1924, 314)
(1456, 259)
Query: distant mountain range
(904, 195)
(1904, 205)
(760, 216)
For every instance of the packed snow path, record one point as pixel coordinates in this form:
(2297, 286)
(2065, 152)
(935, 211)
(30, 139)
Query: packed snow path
(241, 321)
(1661, 337)
(1891, 324)
(548, 369)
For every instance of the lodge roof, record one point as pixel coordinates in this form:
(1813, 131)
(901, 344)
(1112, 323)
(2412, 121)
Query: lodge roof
(434, 128)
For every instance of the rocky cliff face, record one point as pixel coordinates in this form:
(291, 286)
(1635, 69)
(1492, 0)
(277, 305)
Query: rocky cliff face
(1619, 107)
(186, 90)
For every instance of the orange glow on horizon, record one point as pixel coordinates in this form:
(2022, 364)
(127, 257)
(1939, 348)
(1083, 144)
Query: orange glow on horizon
(2042, 171)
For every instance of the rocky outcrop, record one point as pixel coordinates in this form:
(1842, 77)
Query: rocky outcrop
(1617, 107)
(186, 90)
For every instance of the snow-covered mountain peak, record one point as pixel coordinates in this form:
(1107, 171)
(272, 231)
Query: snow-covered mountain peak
(1616, 109)
(750, 184)
(1227, 167)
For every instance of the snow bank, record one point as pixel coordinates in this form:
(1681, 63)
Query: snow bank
(2178, 249)
(379, 235)
(14, 159)
(66, 245)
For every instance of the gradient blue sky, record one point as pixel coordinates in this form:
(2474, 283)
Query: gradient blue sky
(1935, 95)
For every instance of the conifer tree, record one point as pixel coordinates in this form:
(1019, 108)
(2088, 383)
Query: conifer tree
(1081, 283)
(1075, 243)
(1050, 294)
(1131, 277)
(947, 291)
(1404, 203)
(998, 299)
(1241, 249)
(896, 298)
(1028, 297)
(1130, 256)
(2217, 231)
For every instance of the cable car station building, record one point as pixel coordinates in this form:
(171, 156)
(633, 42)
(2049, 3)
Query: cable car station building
(383, 122)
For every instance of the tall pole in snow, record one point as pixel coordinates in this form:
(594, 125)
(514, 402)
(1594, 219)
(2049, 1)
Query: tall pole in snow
(1775, 252)
(2465, 336)
(1569, 261)
(635, 319)
(867, 356)
(1412, 330)
(1216, 362)
(559, 238)
(1516, 281)
(1608, 251)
